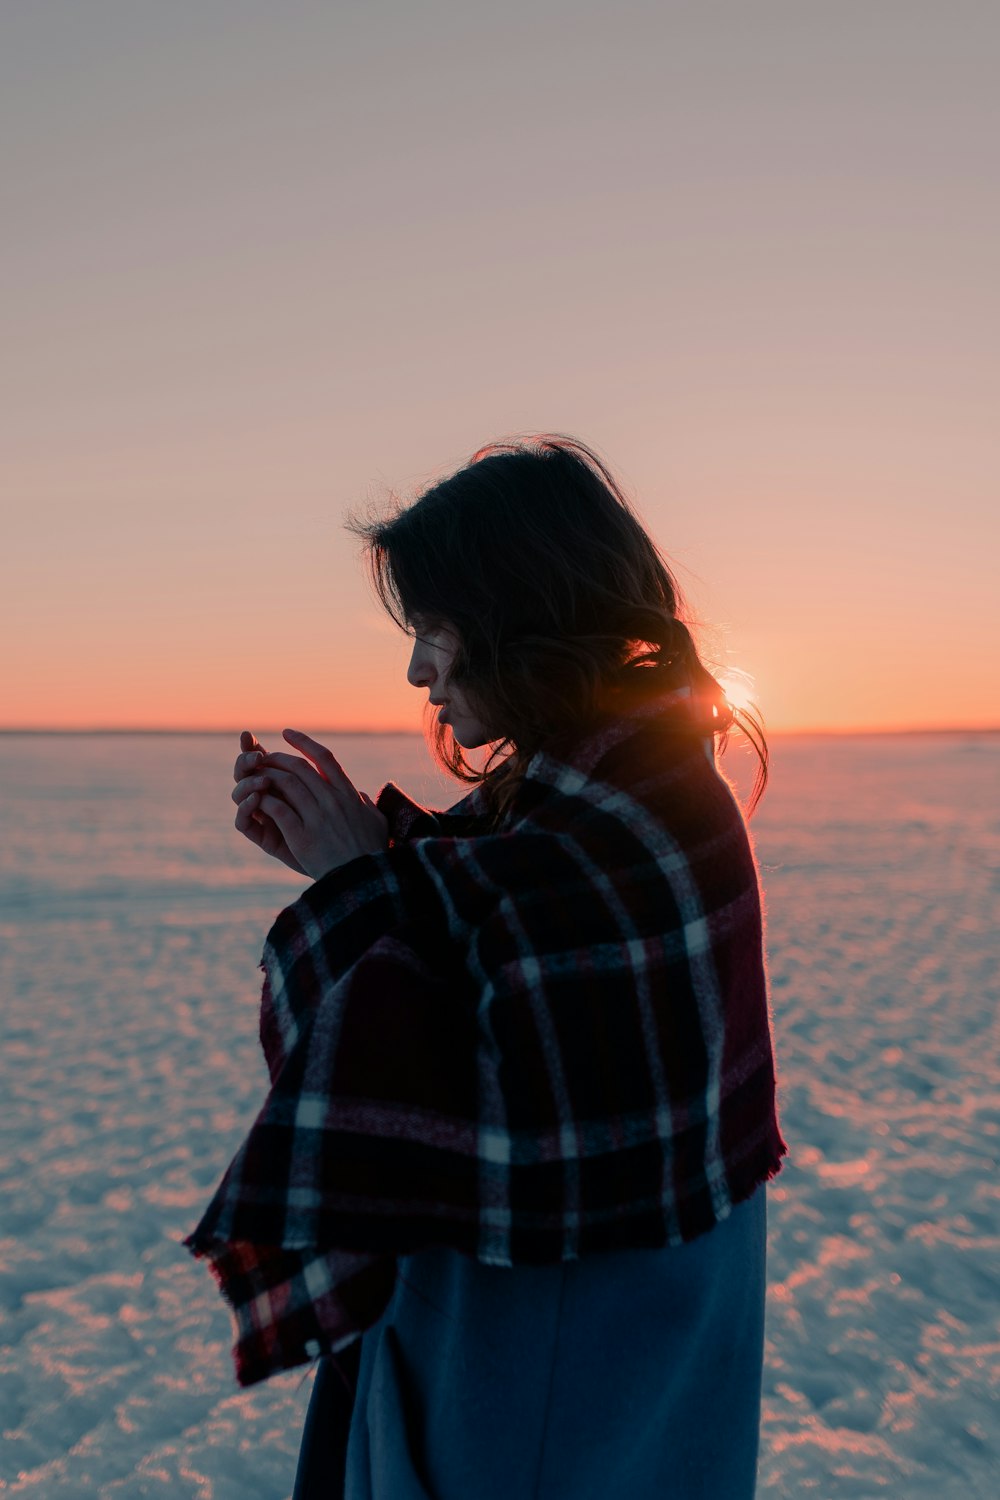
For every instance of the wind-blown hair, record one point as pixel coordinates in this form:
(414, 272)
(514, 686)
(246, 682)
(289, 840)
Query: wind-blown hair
(562, 604)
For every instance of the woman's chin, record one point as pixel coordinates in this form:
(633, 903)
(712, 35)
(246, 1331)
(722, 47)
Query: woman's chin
(469, 736)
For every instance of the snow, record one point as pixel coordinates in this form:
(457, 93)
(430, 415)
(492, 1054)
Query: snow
(131, 921)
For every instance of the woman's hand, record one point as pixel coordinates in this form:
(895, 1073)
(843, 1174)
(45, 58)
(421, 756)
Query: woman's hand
(317, 817)
(250, 821)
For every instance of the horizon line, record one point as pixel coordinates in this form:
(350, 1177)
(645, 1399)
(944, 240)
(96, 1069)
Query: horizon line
(189, 731)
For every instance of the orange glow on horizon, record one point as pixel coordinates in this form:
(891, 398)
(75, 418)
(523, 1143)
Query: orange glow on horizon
(321, 685)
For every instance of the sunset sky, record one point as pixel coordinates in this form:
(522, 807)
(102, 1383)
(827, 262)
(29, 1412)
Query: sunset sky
(264, 262)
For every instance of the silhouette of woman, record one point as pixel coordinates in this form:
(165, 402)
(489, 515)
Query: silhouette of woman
(508, 1187)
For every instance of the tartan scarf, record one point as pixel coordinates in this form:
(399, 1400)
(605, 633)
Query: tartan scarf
(529, 1044)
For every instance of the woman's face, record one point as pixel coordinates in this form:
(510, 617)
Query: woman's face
(434, 649)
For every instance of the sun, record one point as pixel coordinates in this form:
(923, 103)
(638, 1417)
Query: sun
(738, 687)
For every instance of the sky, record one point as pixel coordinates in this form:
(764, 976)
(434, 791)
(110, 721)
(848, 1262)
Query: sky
(265, 263)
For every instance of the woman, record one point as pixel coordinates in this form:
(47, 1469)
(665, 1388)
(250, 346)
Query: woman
(508, 1182)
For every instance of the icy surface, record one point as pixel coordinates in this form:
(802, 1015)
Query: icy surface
(131, 920)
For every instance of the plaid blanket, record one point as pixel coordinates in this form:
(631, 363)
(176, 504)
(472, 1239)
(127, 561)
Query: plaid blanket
(529, 1044)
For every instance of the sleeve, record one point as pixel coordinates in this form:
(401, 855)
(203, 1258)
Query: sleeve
(376, 937)
(408, 820)
(412, 999)
(370, 1027)
(315, 942)
(369, 1118)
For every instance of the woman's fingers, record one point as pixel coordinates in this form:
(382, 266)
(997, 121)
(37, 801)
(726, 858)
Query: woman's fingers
(288, 785)
(287, 819)
(248, 787)
(253, 758)
(246, 819)
(293, 763)
(262, 831)
(322, 758)
(297, 782)
(251, 754)
(252, 819)
(304, 811)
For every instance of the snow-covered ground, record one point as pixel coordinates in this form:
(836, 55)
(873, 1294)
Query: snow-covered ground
(131, 920)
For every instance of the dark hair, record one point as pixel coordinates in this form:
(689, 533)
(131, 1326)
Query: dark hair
(562, 604)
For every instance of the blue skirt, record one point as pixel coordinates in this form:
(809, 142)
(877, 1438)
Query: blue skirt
(634, 1373)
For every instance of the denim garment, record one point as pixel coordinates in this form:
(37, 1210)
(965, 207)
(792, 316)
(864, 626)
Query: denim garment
(634, 1373)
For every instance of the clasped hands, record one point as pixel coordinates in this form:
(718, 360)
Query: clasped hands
(305, 812)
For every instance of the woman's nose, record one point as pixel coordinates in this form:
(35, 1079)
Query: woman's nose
(420, 672)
